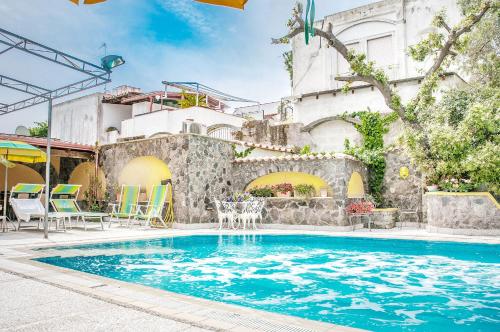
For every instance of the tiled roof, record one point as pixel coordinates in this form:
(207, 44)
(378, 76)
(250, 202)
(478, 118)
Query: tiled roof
(42, 142)
(296, 157)
(279, 148)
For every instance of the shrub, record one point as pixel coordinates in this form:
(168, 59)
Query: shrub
(282, 188)
(262, 192)
(360, 207)
(305, 189)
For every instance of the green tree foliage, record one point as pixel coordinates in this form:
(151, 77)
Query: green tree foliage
(288, 61)
(372, 128)
(40, 129)
(189, 100)
(464, 136)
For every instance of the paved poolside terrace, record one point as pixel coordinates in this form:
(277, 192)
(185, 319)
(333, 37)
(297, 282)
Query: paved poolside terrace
(40, 297)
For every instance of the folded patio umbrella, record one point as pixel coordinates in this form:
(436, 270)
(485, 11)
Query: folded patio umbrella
(20, 152)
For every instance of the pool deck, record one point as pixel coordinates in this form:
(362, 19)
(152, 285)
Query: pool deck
(41, 297)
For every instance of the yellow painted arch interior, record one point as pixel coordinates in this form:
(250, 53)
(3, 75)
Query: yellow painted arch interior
(356, 188)
(293, 178)
(146, 172)
(82, 174)
(19, 174)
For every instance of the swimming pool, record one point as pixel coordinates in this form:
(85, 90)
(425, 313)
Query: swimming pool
(375, 284)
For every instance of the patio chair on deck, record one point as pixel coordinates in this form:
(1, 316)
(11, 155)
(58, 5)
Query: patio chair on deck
(225, 214)
(252, 212)
(126, 208)
(28, 207)
(66, 205)
(154, 209)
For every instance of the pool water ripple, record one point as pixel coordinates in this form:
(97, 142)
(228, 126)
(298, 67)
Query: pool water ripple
(376, 284)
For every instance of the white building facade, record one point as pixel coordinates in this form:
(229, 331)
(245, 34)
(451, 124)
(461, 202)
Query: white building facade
(383, 31)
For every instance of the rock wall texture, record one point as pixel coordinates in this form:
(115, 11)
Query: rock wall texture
(402, 193)
(336, 171)
(264, 132)
(312, 212)
(200, 167)
(384, 218)
(463, 213)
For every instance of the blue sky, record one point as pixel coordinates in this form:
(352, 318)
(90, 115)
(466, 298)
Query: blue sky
(172, 40)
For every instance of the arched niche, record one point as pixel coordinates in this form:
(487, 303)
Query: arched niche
(355, 188)
(19, 174)
(293, 178)
(82, 174)
(144, 171)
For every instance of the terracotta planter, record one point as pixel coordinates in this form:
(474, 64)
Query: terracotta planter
(283, 195)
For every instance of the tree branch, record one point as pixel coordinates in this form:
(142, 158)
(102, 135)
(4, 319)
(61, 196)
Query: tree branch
(454, 35)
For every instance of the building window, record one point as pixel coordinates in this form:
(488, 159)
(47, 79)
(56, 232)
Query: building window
(379, 50)
(344, 67)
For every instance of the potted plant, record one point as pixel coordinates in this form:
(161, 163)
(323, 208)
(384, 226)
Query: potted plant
(283, 189)
(360, 207)
(431, 183)
(304, 191)
(262, 192)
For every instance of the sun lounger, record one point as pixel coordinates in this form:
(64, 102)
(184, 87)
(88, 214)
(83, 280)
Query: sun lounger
(154, 209)
(69, 206)
(126, 208)
(30, 207)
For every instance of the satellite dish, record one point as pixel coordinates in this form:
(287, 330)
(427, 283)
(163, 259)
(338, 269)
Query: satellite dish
(22, 131)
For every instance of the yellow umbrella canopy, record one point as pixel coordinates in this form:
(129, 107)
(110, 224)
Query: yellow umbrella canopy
(21, 152)
(240, 4)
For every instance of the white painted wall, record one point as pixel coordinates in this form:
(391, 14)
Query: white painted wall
(330, 136)
(382, 30)
(112, 116)
(85, 120)
(256, 111)
(171, 121)
(77, 120)
(310, 109)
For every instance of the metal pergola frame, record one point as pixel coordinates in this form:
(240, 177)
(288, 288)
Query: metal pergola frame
(95, 76)
(199, 88)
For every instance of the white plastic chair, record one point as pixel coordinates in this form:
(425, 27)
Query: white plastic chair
(223, 214)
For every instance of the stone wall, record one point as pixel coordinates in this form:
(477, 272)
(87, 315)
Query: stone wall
(463, 213)
(305, 213)
(264, 132)
(204, 168)
(335, 171)
(403, 193)
(200, 167)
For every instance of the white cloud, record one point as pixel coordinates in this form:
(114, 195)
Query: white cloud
(187, 10)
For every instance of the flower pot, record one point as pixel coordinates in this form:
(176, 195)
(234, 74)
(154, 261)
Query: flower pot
(287, 194)
(432, 188)
(323, 192)
(301, 196)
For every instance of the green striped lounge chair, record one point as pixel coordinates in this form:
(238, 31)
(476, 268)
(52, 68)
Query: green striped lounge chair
(126, 208)
(30, 208)
(154, 209)
(63, 199)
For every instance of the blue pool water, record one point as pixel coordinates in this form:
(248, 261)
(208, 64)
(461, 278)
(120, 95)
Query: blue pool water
(375, 284)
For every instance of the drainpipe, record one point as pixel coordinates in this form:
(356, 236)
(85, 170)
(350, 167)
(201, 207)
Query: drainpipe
(405, 36)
